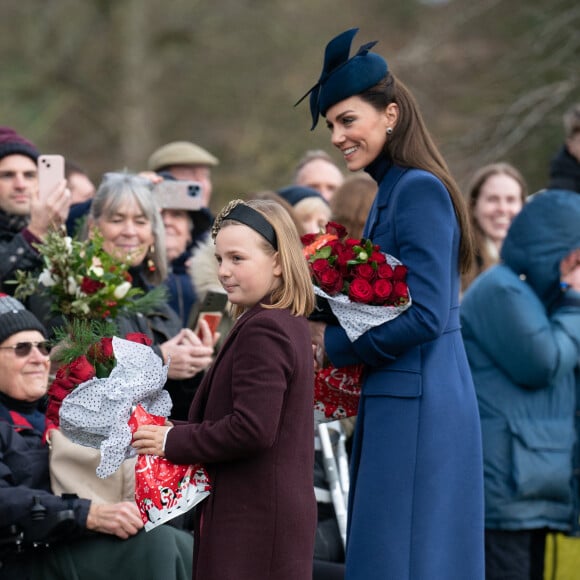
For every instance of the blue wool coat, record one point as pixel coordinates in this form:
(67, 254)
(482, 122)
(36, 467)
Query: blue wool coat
(522, 337)
(416, 495)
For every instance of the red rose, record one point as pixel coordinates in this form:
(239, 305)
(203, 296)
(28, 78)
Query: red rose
(352, 242)
(90, 286)
(319, 266)
(382, 289)
(139, 337)
(52, 410)
(400, 293)
(100, 351)
(331, 281)
(385, 271)
(378, 257)
(336, 229)
(360, 290)
(62, 379)
(107, 346)
(308, 239)
(59, 390)
(80, 370)
(400, 273)
(342, 258)
(336, 246)
(365, 271)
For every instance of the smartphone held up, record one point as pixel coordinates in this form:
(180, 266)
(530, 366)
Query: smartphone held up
(50, 174)
(176, 194)
(211, 310)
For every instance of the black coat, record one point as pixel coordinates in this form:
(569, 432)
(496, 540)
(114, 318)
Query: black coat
(25, 480)
(16, 253)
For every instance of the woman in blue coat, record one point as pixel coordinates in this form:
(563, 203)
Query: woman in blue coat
(416, 495)
(522, 336)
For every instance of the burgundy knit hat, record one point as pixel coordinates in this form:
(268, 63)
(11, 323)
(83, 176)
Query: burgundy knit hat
(11, 143)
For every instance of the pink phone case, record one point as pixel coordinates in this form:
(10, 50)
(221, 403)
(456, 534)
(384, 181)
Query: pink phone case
(50, 173)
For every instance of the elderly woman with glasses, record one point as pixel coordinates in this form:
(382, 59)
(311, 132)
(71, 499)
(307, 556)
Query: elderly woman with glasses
(84, 537)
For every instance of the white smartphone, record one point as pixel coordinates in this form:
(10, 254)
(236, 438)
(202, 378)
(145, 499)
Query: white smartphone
(50, 173)
(178, 194)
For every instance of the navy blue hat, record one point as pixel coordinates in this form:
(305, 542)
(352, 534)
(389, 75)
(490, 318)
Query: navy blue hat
(342, 77)
(295, 193)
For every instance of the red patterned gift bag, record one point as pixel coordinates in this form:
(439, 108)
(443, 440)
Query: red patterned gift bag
(337, 392)
(164, 490)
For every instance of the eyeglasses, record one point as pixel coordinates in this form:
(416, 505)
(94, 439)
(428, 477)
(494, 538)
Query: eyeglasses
(23, 349)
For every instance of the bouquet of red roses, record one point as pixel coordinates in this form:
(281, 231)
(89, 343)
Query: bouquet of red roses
(364, 288)
(96, 389)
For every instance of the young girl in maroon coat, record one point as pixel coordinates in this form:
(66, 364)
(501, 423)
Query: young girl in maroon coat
(251, 421)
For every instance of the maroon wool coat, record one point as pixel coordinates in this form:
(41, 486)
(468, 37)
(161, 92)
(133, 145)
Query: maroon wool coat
(251, 424)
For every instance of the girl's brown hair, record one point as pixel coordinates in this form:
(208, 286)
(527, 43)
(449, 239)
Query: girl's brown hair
(296, 292)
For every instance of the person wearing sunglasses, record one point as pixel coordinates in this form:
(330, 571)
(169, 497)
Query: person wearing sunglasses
(84, 537)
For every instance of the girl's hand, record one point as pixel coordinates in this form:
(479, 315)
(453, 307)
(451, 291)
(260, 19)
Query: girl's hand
(149, 439)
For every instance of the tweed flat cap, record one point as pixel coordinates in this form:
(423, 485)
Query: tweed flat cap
(180, 153)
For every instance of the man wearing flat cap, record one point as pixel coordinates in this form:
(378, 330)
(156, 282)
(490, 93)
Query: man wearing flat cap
(185, 161)
(24, 218)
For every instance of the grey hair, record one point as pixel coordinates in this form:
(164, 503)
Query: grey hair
(114, 190)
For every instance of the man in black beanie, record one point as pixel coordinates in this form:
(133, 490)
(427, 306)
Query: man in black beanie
(24, 218)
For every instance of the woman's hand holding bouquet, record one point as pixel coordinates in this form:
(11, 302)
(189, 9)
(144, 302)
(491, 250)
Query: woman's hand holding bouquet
(363, 287)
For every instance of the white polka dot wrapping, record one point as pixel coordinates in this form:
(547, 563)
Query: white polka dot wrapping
(95, 414)
(356, 318)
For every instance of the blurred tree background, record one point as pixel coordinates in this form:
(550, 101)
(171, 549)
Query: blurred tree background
(105, 82)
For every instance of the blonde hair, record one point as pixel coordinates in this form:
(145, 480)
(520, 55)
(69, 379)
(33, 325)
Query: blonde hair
(296, 292)
(305, 208)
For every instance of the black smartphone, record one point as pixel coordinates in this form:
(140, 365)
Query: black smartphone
(211, 309)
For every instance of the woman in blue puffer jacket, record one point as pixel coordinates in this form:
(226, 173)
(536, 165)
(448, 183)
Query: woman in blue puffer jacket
(521, 328)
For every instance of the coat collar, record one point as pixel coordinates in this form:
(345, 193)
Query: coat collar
(387, 176)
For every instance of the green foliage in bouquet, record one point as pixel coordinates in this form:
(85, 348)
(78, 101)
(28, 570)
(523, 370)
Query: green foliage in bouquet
(88, 287)
(85, 281)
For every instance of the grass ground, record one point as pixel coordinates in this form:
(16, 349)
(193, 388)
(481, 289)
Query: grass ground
(567, 558)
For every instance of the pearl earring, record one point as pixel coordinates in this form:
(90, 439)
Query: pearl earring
(389, 130)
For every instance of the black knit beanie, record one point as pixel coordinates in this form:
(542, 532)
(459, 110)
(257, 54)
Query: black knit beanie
(15, 318)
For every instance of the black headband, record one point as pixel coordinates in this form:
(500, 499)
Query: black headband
(254, 219)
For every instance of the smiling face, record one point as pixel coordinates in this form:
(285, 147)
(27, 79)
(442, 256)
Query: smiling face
(320, 175)
(246, 269)
(126, 232)
(498, 203)
(18, 181)
(359, 130)
(24, 378)
(178, 228)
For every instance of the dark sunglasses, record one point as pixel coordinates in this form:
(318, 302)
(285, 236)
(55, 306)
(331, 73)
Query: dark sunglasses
(23, 349)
